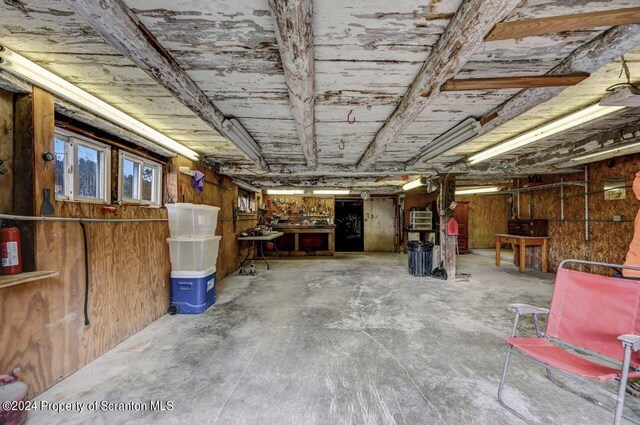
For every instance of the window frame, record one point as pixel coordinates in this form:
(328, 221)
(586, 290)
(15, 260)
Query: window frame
(156, 188)
(71, 142)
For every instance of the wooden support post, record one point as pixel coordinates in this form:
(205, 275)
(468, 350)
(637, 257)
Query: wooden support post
(448, 244)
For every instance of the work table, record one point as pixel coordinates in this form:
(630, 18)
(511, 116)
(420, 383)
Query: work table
(306, 239)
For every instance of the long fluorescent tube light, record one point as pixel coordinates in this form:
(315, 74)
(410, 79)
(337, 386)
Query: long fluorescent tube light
(609, 151)
(331, 191)
(240, 137)
(568, 121)
(422, 181)
(475, 190)
(37, 75)
(459, 134)
(246, 186)
(285, 192)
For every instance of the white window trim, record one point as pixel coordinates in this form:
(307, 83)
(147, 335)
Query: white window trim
(72, 141)
(156, 189)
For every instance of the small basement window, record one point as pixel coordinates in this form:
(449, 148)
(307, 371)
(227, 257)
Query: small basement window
(82, 168)
(140, 180)
(246, 201)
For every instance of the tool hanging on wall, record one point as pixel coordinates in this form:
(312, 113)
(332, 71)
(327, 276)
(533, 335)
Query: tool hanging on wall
(46, 208)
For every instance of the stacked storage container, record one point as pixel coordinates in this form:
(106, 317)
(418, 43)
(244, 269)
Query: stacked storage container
(194, 251)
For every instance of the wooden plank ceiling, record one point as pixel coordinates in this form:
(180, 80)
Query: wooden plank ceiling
(366, 59)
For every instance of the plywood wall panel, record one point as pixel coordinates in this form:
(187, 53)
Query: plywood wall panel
(488, 215)
(608, 240)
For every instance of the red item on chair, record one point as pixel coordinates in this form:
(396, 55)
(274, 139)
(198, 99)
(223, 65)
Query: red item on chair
(452, 227)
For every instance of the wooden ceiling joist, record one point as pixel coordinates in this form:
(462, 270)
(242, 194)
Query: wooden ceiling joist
(517, 82)
(462, 37)
(119, 27)
(555, 24)
(295, 42)
(587, 58)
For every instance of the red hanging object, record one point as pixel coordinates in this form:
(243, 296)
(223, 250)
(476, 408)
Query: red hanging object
(452, 227)
(10, 250)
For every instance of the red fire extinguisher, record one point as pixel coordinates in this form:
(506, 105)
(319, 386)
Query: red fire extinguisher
(10, 250)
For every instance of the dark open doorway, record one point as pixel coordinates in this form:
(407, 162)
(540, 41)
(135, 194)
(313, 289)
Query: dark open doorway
(349, 225)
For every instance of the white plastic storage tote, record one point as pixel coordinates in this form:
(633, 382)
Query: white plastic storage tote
(193, 254)
(192, 220)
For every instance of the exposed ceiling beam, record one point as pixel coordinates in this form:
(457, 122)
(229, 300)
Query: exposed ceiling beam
(562, 155)
(462, 37)
(121, 29)
(295, 42)
(13, 84)
(555, 24)
(516, 82)
(300, 172)
(587, 58)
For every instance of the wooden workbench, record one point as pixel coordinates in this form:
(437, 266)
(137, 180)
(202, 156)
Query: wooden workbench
(306, 240)
(520, 244)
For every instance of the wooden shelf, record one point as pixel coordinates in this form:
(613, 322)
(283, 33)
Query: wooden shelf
(17, 279)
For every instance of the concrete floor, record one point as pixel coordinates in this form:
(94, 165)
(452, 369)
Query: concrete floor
(348, 340)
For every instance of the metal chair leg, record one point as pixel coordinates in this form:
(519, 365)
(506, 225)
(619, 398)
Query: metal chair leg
(503, 380)
(622, 390)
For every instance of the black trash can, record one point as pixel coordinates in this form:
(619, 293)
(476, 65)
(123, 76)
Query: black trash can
(420, 258)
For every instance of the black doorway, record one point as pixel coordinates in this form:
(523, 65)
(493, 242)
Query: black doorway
(349, 225)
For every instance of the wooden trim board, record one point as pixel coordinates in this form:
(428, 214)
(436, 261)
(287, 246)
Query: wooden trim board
(555, 24)
(17, 279)
(517, 82)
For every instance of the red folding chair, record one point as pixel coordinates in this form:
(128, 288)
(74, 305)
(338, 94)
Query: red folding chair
(596, 315)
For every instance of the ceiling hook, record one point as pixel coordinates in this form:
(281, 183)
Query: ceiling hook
(341, 145)
(349, 119)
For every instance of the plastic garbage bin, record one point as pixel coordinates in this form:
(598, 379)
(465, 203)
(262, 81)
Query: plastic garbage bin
(420, 258)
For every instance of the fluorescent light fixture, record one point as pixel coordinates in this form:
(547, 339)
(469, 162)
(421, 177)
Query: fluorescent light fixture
(569, 121)
(285, 192)
(606, 152)
(331, 191)
(459, 134)
(240, 137)
(37, 75)
(246, 186)
(422, 181)
(477, 189)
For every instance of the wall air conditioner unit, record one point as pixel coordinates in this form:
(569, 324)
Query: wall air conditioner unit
(626, 95)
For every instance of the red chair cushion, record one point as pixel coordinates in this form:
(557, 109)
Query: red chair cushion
(544, 351)
(591, 311)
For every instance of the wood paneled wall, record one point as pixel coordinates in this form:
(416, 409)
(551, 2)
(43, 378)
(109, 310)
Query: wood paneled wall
(488, 215)
(42, 327)
(608, 240)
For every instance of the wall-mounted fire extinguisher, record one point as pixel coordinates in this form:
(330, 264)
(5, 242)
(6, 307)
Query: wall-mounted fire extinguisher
(10, 250)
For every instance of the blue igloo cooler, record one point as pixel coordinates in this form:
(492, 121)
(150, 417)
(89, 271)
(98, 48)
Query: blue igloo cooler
(192, 292)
